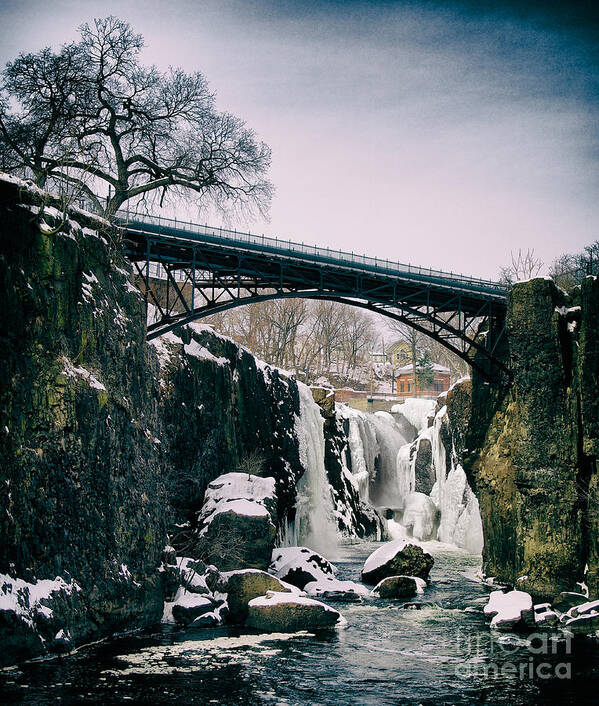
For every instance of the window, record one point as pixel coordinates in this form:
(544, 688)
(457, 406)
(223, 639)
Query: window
(402, 386)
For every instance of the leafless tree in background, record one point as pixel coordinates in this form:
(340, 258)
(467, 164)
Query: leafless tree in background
(523, 265)
(568, 270)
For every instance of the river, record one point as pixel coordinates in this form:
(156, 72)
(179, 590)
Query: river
(434, 653)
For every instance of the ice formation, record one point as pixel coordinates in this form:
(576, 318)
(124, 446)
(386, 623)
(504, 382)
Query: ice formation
(314, 524)
(383, 464)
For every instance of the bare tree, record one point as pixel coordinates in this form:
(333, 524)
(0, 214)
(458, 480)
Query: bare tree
(568, 270)
(523, 265)
(141, 133)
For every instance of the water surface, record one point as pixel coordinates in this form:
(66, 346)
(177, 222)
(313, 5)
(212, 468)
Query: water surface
(440, 653)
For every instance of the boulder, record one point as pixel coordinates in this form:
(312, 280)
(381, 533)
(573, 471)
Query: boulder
(397, 558)
(567, 600)
(243, 586)
(335, 590)
(285, 612)
(510, 611)
(420, 516)
(238, 521)
(586, 624)
(300, 566)
(189, 606)
(545, 617)
(399, 587)
(193, 575)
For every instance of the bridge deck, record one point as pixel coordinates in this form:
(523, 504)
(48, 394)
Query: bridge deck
(190, 233)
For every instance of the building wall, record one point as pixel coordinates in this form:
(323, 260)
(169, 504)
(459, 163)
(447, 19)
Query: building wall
(405, 386)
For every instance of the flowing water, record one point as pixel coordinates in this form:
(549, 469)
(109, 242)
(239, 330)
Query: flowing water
(435, 653)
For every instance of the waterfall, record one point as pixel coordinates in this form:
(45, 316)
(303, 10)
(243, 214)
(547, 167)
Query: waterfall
(384, 466)
(314, 525)
(374, 441)
(460, 521)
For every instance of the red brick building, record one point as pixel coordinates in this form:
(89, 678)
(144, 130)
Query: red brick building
(404, 382)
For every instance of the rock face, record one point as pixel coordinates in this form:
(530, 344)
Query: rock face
(224, 411)
(284, 612)
(397, 558)
(532, 457)
(424, 470)
(354, 517)
(107, 443)
(79, 460)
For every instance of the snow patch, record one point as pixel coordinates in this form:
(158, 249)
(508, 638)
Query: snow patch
(71, 371)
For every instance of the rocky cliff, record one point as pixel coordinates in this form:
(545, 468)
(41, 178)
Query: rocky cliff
(530, 448)
(82, 495)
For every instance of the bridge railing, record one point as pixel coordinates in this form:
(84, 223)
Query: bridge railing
(289, 247)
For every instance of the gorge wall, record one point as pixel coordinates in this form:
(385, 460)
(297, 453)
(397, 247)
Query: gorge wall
(108, 443)
(530, 449)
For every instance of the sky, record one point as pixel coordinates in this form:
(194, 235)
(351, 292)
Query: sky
(445, 134)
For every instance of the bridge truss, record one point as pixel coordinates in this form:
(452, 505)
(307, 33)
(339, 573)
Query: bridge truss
(188, 272)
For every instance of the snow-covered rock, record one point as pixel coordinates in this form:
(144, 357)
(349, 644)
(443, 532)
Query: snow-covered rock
(238, 519)
(239, 493)
(582, 618)
(300, 566)
(285, 612)
(566, 600)
(243, 586)
(333, 589)
(399, 587)
(586, 624)
(188, 606)
(397, 558)
(32, 614)
(511, 610)
(545, 616)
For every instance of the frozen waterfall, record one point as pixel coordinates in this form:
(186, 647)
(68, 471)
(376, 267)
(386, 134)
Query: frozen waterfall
(460, 521)
(314, 525)
(374, 442)
(385, 465)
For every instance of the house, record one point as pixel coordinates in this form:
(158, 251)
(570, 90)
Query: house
(399, 353)
(404, 382)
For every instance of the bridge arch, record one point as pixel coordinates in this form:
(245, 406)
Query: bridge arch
(444, 332)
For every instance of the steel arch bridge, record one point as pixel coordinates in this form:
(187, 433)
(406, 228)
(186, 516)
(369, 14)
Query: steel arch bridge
(188, 271)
